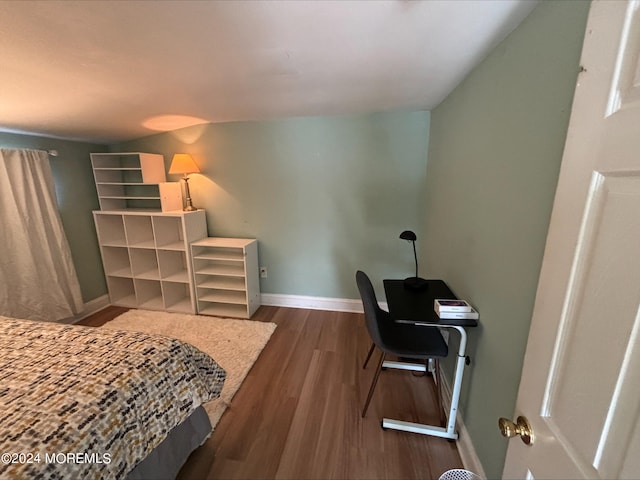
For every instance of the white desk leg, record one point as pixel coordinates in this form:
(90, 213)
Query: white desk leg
(457, 380)
(450, 431)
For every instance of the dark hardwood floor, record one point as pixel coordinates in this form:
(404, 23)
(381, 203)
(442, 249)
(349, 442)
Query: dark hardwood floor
(298, 413)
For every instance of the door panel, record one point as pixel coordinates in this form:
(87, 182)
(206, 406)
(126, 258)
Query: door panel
(592, 374)
(580, 385)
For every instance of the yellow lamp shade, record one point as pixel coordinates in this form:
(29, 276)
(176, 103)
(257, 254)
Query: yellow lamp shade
(183, 163)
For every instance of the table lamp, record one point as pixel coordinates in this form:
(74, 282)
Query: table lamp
(183, 163)
(413, 283)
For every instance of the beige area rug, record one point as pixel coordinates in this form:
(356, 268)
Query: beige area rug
(234, 344)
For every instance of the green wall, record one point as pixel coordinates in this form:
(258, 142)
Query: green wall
(324, 196)
(494, 157)
(76, 193)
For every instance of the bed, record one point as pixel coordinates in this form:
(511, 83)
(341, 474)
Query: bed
(85, 402)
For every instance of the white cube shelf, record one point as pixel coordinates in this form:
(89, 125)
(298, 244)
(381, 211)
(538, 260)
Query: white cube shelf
(146, 257)
(226, 276)
(128, 180)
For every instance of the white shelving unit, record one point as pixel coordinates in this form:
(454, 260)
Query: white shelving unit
(128, 180)
(146, 257)
(226, 276)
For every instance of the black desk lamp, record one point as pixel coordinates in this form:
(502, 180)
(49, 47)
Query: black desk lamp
(414, 283)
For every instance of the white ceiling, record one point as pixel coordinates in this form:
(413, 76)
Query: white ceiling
(98, 70)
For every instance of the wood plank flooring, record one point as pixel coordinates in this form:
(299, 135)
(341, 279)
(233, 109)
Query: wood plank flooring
(298, 413)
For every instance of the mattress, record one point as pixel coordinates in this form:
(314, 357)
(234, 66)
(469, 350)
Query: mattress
(84, 402)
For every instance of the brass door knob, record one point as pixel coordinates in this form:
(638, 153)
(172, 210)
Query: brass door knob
(522, 427)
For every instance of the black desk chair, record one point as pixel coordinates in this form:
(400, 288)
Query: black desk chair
(401, 340)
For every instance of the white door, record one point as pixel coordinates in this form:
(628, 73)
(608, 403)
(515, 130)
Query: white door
(580, 386)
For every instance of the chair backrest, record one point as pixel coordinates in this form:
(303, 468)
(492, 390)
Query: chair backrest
(373, 314)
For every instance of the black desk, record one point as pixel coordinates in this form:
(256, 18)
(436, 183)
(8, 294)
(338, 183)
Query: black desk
(416, 307)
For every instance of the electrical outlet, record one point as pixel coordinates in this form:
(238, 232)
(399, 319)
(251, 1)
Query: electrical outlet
(263, 272)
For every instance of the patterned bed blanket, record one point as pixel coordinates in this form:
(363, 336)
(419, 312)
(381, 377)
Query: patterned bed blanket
(84, 402)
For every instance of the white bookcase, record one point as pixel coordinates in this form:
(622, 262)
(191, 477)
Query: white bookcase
(128, 180)
(146, 257)
(226, 276)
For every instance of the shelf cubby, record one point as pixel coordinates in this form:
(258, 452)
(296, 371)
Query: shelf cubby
(116, 176)
(173, 266)
(148, 294)
(220, 282)
(219, 254)
(222, 309)
(139, 231)
(221, 268)
(222, 296)
(128, 195)
(144, 263)
(117, 263)
(121, 291)
(177, 297)
(169, 233)
(110, 229)
(116, 161)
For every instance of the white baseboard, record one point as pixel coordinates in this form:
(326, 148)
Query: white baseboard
(313, 303)
(468, 454)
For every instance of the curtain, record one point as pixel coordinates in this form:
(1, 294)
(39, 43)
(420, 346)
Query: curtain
(37, 278)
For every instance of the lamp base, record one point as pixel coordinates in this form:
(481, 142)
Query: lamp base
(415, 283)
(189, 207)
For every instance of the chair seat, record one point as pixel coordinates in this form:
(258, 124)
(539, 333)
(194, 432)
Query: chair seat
(413, 341)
